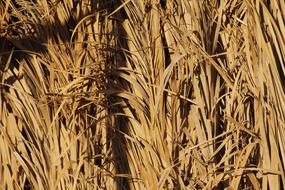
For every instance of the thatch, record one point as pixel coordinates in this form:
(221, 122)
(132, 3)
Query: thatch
(168, 94)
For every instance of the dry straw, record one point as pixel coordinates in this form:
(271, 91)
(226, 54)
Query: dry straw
(149, 94)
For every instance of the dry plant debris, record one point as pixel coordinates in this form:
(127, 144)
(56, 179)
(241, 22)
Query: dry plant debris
(142, 94)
